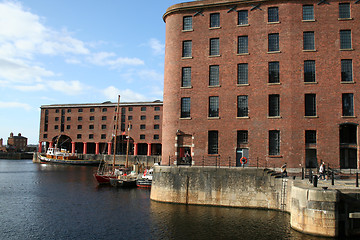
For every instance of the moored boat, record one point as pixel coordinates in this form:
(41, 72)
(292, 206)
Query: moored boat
(56, 155)
(146, 179)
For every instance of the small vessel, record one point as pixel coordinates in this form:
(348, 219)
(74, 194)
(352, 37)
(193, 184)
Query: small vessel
(56, 155)
(146, 179)
(125, 179)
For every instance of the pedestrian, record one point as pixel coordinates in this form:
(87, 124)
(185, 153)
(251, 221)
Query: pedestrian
(322, 171)
(283, 171)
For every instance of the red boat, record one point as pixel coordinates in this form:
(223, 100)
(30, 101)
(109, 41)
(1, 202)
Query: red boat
(103, 179)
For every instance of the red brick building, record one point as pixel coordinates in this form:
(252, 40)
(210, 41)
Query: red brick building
(274, 81)
(17, 143)
(89, 128)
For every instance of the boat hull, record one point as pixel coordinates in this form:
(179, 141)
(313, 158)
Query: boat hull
(143, 183)
(44, 159)
(123, 183)
(103, 179)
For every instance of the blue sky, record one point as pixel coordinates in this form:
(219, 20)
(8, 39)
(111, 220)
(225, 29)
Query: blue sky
(65, 51)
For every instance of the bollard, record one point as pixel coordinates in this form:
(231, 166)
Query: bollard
(357, 179)
(310, 176)
(302, 173)
(229, 162)
(294, 177)
(169, 160)
(315, 180)
(332, 178)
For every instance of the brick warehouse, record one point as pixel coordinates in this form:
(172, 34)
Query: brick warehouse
(274, 81)
(89, 128)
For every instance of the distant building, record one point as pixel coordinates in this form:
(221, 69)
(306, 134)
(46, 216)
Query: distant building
(90, 128)
(17, 143)
(2, 147)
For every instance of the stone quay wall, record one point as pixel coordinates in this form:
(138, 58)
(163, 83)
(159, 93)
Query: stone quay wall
(313, 210)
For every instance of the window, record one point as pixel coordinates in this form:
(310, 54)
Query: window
(309, 71)
(309, 41)
(130, 109)
(345, 39)
(186, 77)
(346, 70)
(274, 105)
(45, 135)
(56, 118)
(187, 23)
(78, 136)
(213, 106)
(310, 104)
(310, 136)
(91, 136)
(274, 142)
(57, 110)
(142, 136)
(92, 118)
(103, 136)
(79, 127)
(214, 47)
(273, 14)
(242, 73)
(273, 42)
(68, 119)
(156, 126)
(243, 44)
(242, 106)
(143, 109)
(214, 20)
(156, 136)
(142, 126)
(69, 110)
(274, 72)
(213, 142)
(156, 117)
(214, 75)
(242, 137)
(79, 118)
(130, 117)
(68, 127)
(103, 126)
(92, 109)
(80, 110)
(344, 10)
(142, 117)
(56, 127)
(187, 46)
(103, 118)
(157, 108)
(46, 127)
(308, 12)
(104, 110)
(185, 107)
(348, 104)
(91, 126)
(243, 17)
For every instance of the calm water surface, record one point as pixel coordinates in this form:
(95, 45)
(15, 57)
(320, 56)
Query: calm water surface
(45, 201)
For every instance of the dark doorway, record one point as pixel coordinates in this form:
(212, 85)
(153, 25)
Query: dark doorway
(310, 158)
(348, 146)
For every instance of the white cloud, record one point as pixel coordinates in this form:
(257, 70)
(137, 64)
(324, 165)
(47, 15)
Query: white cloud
(68, 88)
(157, 47)
(126, 95)
(25, 106)
(151, 75)
(109, 59)
(31, 88)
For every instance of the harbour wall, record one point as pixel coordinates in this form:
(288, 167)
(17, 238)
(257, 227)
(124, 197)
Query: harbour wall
(312, 210)
(15, 155)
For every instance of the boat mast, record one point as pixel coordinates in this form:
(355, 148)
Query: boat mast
(127, 145)
(116, 129)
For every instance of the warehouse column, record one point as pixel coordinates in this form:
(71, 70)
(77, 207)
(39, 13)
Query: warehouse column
(135, 149)
(109, 148)
(96, 148)
(85, 148)
(40, 146)
(72, 147)
(149, 149)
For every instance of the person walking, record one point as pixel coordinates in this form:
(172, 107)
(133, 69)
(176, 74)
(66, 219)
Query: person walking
(283, 171)
(322, 171)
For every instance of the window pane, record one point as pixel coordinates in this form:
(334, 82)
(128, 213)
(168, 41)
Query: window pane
(273, 14)
(308, 12)
(185, 108)
(215, 20)
(310, 137)
(242, 137)
(309, 41)
(274, 76)
(214, 46)
(242, 108)
(214, 75)
(243, 17)
(213, 106)
(345, 39)
(346, 70)
(213, 142)
(310, 105)
(187, 45)
(187, 23)
(274, 142)
(274, 105)
(243, 44)
(273, 42)
(348, 104)
(344, 10)
(186, 77)
(242, 73)
(309, 71)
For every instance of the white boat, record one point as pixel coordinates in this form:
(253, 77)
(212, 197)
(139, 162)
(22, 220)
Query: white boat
(146, 179)
(56, 155)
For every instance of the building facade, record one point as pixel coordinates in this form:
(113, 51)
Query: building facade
(17, 143)
(272, 81)
(90, 128)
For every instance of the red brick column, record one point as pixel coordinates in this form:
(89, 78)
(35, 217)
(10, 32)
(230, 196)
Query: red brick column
(109, 148)
(149, 149)
(72, 147)
(96, 148)
(50, 144)
(135, 149)
(40, 146)
(85, 148)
